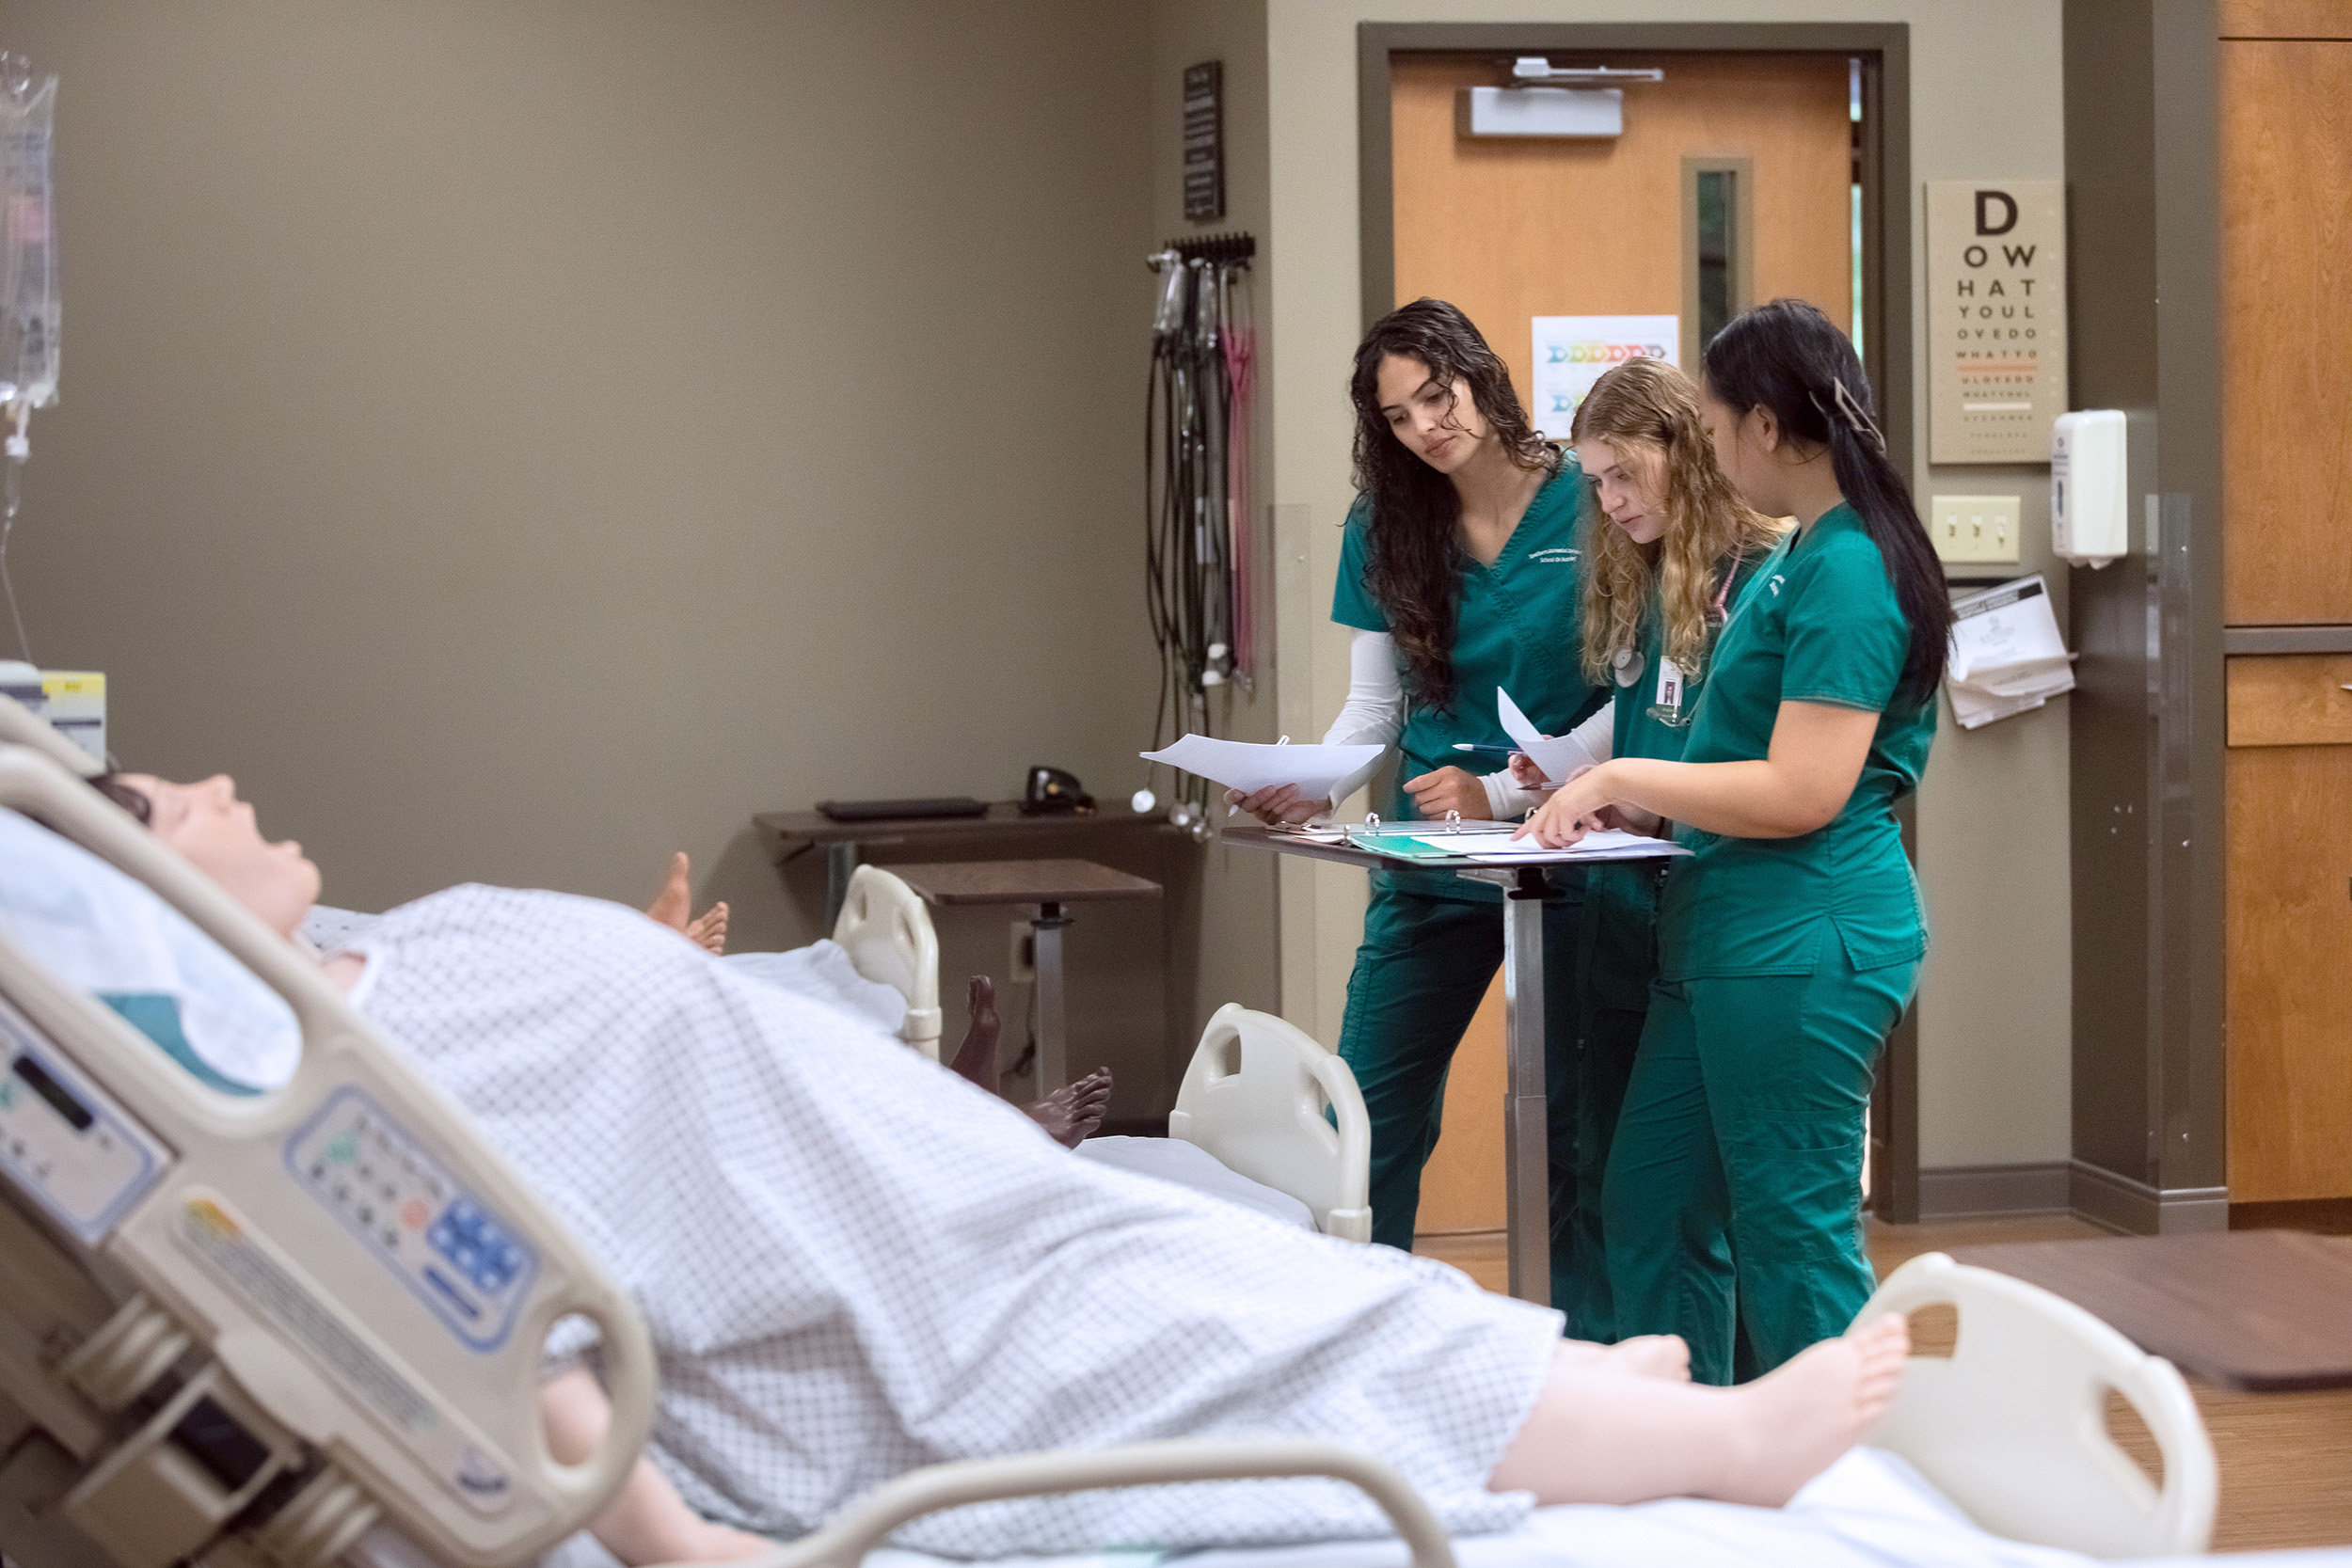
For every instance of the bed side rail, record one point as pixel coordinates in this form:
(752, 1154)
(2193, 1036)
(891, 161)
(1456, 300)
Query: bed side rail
(330, 1294)
(867, 1523)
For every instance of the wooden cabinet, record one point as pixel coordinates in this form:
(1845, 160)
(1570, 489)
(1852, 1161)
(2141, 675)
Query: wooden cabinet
(2286, 273)
(2289, 901)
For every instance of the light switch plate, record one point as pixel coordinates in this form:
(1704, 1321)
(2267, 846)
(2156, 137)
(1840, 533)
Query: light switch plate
(1972, 530)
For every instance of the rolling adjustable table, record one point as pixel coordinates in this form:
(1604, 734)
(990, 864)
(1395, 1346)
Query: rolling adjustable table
(1049, 887)
(1525, 1140)
(790, 834)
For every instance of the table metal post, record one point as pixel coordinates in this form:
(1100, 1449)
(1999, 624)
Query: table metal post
(1053, 1064)
(840, 866)
(1526, 1150)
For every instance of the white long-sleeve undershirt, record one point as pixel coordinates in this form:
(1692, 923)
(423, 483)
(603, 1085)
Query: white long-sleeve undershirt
(1374, 715)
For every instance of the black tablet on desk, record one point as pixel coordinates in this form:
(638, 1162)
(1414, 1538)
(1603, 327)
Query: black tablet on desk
(879, 811)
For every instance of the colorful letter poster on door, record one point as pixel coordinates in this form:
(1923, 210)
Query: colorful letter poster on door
(1572, 350)
(1997, 319)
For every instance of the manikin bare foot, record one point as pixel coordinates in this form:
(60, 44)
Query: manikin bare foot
(1070, 1114)
(709, 929)
(1600, 1435)
(676, 902)
(1660, 1356)
(975, 1058)
(1808, 1411)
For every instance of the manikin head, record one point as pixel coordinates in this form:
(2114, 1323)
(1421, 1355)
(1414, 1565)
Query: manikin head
(215, 832)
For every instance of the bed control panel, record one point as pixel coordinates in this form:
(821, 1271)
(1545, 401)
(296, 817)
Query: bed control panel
(73, 1149)
(446, 1245)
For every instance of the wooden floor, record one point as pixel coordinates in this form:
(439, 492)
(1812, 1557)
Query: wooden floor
(2285, 1459)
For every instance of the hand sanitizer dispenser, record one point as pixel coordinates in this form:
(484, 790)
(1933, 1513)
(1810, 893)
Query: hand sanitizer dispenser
(2090, 523)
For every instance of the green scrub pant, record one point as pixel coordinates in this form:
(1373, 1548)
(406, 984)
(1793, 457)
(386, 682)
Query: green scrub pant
(1616, 961)
(1424, 967)
(1732, 1204)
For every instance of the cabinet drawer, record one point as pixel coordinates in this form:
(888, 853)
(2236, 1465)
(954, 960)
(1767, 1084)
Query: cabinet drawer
(2290, 699)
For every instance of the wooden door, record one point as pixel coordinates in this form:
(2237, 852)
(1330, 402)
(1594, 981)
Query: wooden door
(2286, 270)
(2289, 902)
(1510, 230)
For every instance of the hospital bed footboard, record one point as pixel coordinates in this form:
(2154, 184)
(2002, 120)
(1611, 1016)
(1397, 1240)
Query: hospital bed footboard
(250, 1329)
(1263, 1098)
(1275, 1106)
(2011, 1426)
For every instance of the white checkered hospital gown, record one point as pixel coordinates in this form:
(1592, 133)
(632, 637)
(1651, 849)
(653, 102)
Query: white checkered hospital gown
(853, 1263)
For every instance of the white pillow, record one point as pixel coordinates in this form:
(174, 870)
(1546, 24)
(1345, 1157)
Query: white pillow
(103, 932)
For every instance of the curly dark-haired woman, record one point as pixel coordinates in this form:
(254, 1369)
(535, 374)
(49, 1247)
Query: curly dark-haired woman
(1459, 575)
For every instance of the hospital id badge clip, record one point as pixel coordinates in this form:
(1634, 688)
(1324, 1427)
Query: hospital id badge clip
(1667, 709)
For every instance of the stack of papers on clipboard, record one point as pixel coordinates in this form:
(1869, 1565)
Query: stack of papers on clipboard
(1490, 844)
(2007, 656)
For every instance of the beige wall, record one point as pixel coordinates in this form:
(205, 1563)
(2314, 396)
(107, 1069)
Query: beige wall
(1993, 829)
(1236, 954)
(519, 439)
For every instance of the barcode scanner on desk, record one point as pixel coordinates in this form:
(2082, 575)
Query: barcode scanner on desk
(1052, 792)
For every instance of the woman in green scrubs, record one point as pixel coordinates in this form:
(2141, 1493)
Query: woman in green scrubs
(1789, 940)
(1668, 542)
(1459, 576)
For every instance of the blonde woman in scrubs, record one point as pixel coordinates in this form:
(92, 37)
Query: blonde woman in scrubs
(1789, 941)
(1668, 544)
(1458, 574)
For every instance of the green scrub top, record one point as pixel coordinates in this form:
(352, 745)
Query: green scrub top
(1515, 626)
(1621, 901)
(1818, 623)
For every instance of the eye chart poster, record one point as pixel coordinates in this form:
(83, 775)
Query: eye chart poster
(1997, 319)
(1572, 350)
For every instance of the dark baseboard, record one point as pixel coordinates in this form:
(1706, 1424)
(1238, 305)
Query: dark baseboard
(1969, 1191)
(2324, 1216)
(2133, 1208)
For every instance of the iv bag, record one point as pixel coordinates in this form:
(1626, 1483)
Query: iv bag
(28, 249)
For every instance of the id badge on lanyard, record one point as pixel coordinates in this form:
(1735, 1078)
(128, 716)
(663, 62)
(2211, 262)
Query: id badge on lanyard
(1668, 709)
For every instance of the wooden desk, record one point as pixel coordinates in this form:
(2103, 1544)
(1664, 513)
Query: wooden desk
(2268, 1311)
(1048, 885)
(790, 834)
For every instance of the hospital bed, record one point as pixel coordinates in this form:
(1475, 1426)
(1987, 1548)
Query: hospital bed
(1259, 1094)
(208, 1352)
(261, 1332)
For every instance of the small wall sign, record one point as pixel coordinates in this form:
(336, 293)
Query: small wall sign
(1997, 319)
(1205, 141)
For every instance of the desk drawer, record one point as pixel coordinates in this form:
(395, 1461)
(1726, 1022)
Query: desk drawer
(2290, 699)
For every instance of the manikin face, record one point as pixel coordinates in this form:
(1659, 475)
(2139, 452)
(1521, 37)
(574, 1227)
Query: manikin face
(1629, 478)
(215, 832)
(1439, 424)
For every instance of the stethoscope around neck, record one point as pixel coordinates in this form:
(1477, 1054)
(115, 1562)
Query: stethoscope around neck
(1626, 663)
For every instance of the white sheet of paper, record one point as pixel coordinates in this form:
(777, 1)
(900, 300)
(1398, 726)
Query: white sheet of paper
(1250, 767)
(2008, 625)
(1602, 844)
(1558, 756)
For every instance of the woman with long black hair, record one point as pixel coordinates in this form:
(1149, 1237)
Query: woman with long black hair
(1789, 941)
(1458, 574)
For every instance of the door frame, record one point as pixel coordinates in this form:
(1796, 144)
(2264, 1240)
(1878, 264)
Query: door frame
(1884, 50)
